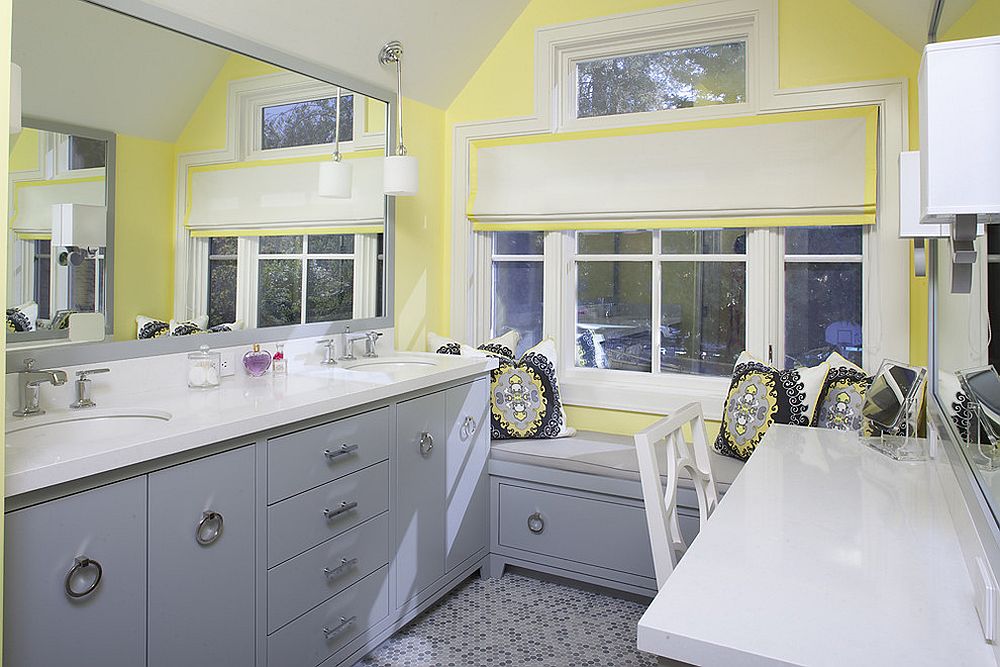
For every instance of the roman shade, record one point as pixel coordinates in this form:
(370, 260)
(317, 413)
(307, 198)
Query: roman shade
(31, 209)
(273, 197)
(797, 168)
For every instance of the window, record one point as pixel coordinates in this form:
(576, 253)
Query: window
(691, 76)
(306, 123)
(42, 267)
(518, 279)
(86, 281)
(84, 153)
(222, 264)
(691, 283)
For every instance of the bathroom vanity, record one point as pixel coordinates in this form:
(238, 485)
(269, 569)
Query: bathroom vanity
(279, 521)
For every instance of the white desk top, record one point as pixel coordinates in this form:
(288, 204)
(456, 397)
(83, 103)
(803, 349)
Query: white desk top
(823, 552)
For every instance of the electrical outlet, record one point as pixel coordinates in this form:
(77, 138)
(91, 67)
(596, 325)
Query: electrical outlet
(227, 364)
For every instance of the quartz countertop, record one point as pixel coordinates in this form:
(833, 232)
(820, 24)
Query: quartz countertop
(240, 407)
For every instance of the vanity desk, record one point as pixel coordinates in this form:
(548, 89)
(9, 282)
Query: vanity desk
(823, 552)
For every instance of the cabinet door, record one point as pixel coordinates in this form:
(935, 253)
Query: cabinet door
(201, 565)
(57, 611)
(467, 516)
(420, 480)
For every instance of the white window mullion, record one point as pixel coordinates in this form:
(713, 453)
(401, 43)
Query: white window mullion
(760, 306)
(303, 266)
(552, 288)
(567, 270)
(656, 296)
(246, 280)
(482, 322)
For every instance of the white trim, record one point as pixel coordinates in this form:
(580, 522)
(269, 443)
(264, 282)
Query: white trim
(886, 301)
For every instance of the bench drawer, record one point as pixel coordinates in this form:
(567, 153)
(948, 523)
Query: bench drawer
(303, 582)
(601, 533)
(313, 637)
(314, 456)
(305, 520)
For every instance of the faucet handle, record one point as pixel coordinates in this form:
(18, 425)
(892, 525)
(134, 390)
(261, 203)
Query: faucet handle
(29, 364)
(328, 353)
(91, 371)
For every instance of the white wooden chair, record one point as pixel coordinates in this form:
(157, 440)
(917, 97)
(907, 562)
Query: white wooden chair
(661, 501)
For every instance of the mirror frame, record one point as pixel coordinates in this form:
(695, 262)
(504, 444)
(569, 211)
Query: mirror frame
(110, 182)
(85, 353)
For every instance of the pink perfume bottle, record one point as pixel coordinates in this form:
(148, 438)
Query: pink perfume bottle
(257, 361)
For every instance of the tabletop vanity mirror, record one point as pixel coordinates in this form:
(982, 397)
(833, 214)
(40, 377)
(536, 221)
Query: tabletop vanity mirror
(165, 185)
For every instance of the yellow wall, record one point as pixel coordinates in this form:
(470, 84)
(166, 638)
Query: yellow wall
(982, 20)
(819, 43)
(144, 232)
(24, 151)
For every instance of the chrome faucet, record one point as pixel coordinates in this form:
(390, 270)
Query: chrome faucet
(328, 354)
(370, 338)
(83, 399)
(30, 383)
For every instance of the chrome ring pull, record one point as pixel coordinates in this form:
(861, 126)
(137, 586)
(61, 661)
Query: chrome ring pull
(80, 564)
(337, 571)
(469, 427)
(330, 633)
(209, 528)
(339, 451)
(426, 444)
(536, 523)
(344, 507)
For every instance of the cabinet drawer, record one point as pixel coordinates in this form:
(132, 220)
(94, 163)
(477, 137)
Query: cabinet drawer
(305, 520)
(595, 532)
(305, 459)
(43, 624)
(303, 582)
(311, 638)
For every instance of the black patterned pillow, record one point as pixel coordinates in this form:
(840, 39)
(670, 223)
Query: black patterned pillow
(503, 345)
(959, 408)
(17, 321)
(842, 397)
(524, 396)
(760, 395)
(150, 327)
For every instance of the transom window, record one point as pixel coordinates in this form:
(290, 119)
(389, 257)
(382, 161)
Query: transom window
(306, 123)
(677, 78)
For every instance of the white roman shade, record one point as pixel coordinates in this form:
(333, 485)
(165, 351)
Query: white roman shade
(798, 168)
(31, 212)
(280, 196)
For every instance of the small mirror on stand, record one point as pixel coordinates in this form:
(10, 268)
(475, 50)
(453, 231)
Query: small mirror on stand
(892, 405)
(982, 387)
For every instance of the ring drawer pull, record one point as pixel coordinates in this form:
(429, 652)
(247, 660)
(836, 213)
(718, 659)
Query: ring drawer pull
(469, 427)
(344, 507)
(337, 571)
(536, 523)
(339, 451)
(209, 528)
(81, 563)
(330, 633)
(426, 444)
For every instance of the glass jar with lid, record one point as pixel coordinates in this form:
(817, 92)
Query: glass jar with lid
(203, 368)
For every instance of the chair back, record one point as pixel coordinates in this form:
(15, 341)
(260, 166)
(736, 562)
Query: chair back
(660, 475)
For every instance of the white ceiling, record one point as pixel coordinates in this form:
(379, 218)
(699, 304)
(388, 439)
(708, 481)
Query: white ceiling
(115, 74)
(444, 41)
(909, 19)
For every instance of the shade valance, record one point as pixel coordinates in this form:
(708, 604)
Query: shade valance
(797, 168)
(280, 196)
(31, 209)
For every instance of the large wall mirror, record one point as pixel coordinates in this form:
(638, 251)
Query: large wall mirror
(163, 186)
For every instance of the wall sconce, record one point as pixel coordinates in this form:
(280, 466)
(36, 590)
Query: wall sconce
(334, 174)
(400, 176)
(15, 98)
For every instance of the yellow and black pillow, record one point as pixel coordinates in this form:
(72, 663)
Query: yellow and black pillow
(761, 395)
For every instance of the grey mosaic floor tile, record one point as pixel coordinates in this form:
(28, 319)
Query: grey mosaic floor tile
(517, 621)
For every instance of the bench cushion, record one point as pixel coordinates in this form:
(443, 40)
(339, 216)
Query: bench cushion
(595, 454)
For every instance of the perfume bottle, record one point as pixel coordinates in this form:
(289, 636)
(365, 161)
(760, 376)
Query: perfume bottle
(279, 365)
(257, 361)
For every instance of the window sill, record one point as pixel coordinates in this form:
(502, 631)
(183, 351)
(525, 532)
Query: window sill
(659, 396)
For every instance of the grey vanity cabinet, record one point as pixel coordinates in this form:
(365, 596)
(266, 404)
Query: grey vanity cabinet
(467, 496)
(420, 499)
(58, 611)
(201, 562)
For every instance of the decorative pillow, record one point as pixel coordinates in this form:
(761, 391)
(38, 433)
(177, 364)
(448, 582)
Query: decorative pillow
(187, 327)
(843, 396)
(501, 346)
(959, 407)
(761, 395)
(150, 327)
(524, 396)
(226, 326)
(590, 352)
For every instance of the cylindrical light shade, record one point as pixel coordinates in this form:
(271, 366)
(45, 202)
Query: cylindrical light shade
(335, 179)
(15, 98)
(400, 177)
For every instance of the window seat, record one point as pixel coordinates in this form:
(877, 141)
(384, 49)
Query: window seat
(572, 507)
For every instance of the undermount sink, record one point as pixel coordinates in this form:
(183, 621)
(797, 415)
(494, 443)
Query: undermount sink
(89, 424)
(390, 364)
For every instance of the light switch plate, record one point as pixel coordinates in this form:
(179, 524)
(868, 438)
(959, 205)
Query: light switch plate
(227, 364)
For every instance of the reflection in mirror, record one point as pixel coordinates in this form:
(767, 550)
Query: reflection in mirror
(213, 221)
(893, 403)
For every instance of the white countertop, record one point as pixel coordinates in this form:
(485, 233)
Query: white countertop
(241, 406)
(823, 552)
